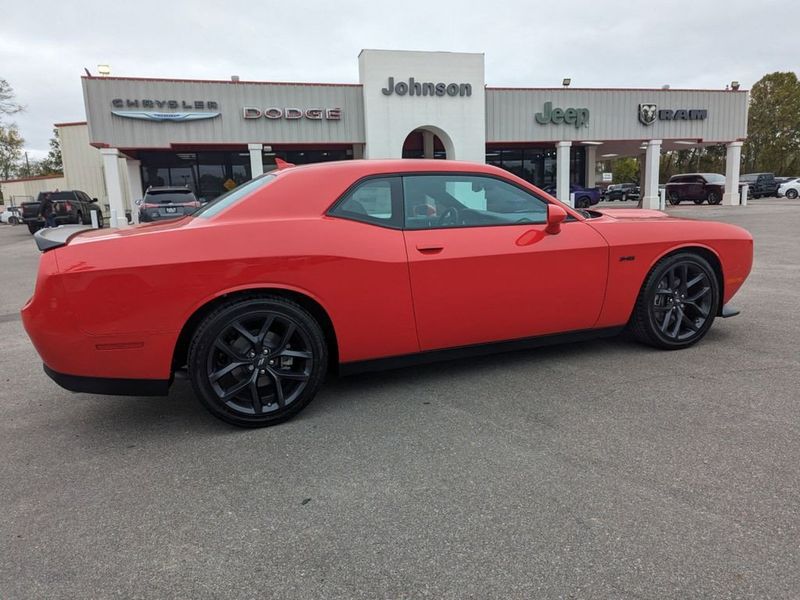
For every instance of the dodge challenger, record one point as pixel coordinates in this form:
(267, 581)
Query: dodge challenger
(361, 265)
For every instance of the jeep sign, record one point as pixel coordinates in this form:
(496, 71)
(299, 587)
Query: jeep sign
(578, 117)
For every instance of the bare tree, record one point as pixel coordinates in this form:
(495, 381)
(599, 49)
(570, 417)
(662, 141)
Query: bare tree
(8, 103)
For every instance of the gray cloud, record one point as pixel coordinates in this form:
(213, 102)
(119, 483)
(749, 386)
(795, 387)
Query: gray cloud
(45, 45)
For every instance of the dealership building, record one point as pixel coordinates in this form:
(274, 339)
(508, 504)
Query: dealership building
(212, 135)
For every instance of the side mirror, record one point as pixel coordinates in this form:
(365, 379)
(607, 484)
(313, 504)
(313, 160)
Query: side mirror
(94, 199)
(555, 216)
(138, 202)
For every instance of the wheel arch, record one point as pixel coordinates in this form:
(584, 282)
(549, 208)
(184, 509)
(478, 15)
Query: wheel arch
(312, 305)
(706, 252)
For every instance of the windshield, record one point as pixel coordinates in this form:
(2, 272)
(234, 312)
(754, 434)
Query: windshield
(220, 203)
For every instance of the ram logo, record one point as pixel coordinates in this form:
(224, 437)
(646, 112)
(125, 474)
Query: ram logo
(647, 113)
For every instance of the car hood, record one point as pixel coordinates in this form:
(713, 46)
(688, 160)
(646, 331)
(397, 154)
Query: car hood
(633, 214)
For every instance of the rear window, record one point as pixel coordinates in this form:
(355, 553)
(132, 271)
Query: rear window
(169, 197)
(228, 199)
(61, 196)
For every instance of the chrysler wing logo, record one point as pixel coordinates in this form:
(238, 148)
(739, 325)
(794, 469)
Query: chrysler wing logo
(647, 113)
(148, 115)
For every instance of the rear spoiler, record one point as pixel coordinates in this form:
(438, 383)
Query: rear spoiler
(55, 237)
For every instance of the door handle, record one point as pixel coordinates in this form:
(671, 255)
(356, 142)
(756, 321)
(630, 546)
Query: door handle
(429, 248)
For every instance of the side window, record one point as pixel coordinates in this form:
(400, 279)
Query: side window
(456, 200)
(374, 201)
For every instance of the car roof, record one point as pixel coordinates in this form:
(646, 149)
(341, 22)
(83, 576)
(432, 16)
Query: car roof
(168, 188)
(696, 174)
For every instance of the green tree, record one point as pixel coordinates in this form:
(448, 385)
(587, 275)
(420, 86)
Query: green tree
(11, 144)
(773, 127)
(626, 170)
(52, 163)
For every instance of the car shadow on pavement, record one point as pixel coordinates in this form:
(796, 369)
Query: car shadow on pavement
(181, 412)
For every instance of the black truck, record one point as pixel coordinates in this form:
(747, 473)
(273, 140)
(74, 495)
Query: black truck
(762, 185)
(71, 207)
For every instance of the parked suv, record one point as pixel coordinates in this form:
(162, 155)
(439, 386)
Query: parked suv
(161, 203)
(71, 207)
(621, 191)
(761, 184)
(697, 187)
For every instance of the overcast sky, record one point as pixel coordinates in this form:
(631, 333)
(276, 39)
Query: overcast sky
(45, 45)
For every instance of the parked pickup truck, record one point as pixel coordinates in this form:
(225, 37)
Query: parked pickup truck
(71, 207)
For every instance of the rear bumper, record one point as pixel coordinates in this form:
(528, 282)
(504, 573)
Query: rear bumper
(109, 386)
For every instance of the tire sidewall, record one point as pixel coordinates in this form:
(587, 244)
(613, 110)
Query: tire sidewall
(791, 194)
(218, 320)
(647, 298)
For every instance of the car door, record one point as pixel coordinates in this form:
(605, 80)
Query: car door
(483, 268)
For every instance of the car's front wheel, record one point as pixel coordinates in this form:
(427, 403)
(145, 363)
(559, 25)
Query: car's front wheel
(677, 303)
(257, 361)
(791, 194)
(674, 199)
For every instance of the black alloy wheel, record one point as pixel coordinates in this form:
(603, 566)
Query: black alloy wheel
(674, 199)
(713, 197)
(677, 303)
(257, 361)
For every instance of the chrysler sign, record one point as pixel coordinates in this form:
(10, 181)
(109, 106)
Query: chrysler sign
(154, 109)
(292, 114)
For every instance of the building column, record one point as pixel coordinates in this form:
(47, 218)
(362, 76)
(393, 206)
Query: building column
(134, 187)
(256, 159)
(562, 171)
(732, 165)
(591, 166)
(652, 165)
(113, 185)
(427, 144)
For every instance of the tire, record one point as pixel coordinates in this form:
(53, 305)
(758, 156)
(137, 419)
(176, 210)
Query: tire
(713, 198)
(674, 199)
(13, 221)
(583, 202)
(33, 227)
(663, 316)
(791, 194)
(231, 364)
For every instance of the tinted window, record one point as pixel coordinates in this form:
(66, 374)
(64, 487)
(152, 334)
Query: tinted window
(62, 196)
(222, 202)
(435, 201)
(371, 201)
(714, 178)
(169, 197)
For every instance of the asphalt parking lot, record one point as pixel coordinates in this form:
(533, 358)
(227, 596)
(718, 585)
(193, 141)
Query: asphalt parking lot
(597, 470)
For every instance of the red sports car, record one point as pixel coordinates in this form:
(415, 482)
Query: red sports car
(362, 265)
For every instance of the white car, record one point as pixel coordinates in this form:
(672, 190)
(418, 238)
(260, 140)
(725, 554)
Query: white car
(11, 216)
(790, 189)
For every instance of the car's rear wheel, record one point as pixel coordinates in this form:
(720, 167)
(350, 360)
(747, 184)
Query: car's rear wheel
(583, 202)
(13, 221)
(677, 303)
(713, 197)
(791, 194)
(257, 361)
